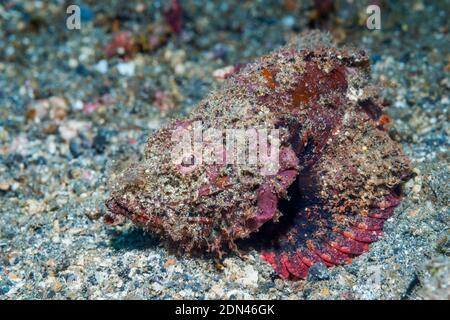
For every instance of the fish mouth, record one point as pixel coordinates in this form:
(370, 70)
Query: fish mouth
(117, 212)
(125, 207)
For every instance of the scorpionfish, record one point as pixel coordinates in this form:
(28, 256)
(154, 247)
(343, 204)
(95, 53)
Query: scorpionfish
(335, 179)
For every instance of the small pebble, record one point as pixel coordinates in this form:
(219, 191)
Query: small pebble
(318, 272)
(101, 140)
(75, 148)
(5, 185)
(126, 68)
(102, 66)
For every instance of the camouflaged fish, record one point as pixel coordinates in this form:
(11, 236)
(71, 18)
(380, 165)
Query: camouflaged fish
(338, 174)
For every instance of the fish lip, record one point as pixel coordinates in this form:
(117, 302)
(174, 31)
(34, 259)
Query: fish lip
(116, 212)
(121, 208)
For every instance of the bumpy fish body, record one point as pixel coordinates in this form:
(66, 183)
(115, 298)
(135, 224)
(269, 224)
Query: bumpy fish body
(336, 180)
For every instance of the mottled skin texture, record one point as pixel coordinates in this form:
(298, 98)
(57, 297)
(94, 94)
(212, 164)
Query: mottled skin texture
(339, 177)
